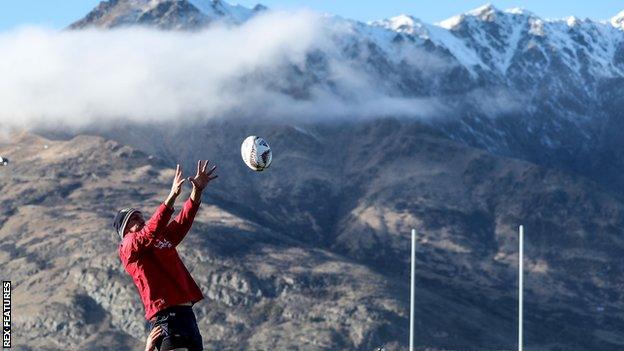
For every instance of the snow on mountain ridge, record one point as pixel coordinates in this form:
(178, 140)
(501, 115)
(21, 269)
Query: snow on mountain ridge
(491, 38)
(485, 12)
(409, 25)
(485, 39)
(451, 22)
(237, 12)
(402, 24)
(518, 11)
(618, 20)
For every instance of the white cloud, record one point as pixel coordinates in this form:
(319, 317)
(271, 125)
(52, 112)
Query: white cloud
(94, 77)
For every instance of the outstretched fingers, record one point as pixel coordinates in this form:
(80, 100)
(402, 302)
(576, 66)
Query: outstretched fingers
(178, 179)
(206, 162)
(211, 170)
(178, 172)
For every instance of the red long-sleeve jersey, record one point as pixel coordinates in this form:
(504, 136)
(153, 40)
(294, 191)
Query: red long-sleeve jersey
(151, 258)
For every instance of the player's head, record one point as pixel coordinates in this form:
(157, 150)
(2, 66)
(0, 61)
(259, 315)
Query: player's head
(127, 221)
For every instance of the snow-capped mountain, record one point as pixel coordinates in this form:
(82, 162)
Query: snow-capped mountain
(165, 14)
(496, 41)
(559, 78)
(514, 47)
(512, 83)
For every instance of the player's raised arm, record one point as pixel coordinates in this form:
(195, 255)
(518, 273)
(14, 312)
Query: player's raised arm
(144, 234)
(179, 227)
(176, 187)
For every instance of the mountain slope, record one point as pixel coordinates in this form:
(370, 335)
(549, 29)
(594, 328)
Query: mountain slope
(466, 204)
(322, 253)
(71, 291)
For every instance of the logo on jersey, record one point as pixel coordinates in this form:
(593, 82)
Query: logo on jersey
(163, 244)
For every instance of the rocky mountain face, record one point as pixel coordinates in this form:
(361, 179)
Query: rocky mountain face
(314, 253)
(164, 14)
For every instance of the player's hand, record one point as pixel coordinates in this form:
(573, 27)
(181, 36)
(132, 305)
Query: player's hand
(176, 187)
(203, 177)
(152, 338)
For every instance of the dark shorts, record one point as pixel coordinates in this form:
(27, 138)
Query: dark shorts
(179, 329)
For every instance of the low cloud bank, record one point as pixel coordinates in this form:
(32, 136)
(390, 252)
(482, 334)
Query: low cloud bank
(95, 77)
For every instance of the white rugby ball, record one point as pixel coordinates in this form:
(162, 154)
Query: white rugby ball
(256, 153)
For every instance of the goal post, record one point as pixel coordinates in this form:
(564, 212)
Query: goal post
(412, 287)
(520, 285)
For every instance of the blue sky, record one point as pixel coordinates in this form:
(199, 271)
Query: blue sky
(59, 13)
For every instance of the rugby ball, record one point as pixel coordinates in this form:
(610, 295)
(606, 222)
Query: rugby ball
(256, 153)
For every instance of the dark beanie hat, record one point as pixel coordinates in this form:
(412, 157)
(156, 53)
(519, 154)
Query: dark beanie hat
(121, 220)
